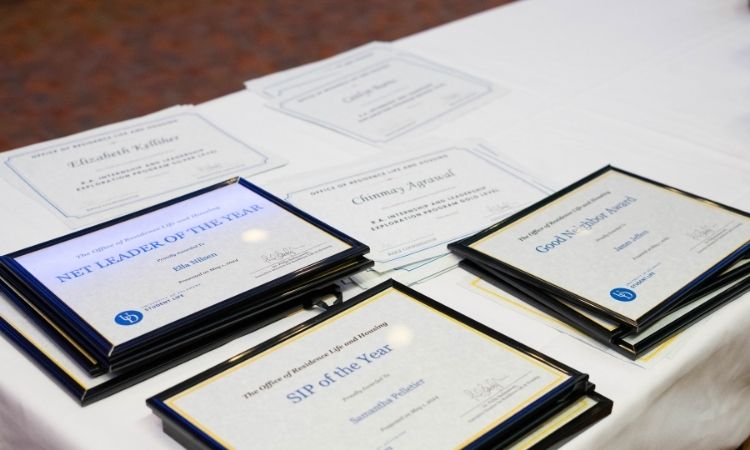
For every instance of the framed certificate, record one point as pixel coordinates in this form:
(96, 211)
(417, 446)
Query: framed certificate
(389, 368)
(567, 423)
(60, 364)
(697, 306)
(149, 282)
(615, 244)
(19, 296)
(291, 298)
(626, 340)
(598, 327)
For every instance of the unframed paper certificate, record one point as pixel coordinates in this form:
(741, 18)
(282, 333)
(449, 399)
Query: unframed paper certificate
(407, 207)
(107, 172)
(375, 93)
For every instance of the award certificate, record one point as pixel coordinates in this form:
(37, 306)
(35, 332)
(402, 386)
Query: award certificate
(406, 204)
(393, 370)
(142, 273)
(375, 93)
(21, 328)
(618, 243)
(123, 167)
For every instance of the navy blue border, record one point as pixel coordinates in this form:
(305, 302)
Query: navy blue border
(87, 395)
(92, 368)
(67, 383)
(93, 341)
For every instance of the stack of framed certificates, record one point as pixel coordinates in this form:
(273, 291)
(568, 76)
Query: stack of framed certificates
(390, 368)
(130, 296)
(627, 260)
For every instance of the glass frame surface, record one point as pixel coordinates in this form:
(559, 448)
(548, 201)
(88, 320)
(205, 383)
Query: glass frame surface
(63, 316)
(189, 434)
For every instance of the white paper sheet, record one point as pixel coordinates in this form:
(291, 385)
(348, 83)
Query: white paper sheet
(109, 171)
(408, 206)
(375, 93)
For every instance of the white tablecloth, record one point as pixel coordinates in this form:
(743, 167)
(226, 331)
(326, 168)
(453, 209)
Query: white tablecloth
(658, 88)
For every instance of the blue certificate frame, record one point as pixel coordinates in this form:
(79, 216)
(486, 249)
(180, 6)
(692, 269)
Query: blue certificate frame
(135, 351)
(97, 387)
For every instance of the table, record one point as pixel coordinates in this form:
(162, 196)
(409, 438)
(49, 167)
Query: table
(658, 88)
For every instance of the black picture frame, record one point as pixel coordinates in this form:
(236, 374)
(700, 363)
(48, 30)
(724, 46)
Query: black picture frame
(533, 415)
(464, 249)
(723, 288)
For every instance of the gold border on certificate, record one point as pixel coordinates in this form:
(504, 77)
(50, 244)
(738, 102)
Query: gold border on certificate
(559, 375)
(477, 245)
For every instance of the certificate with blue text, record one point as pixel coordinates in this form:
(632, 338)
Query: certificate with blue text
(124, 281)
(616, 243)
(391, 369)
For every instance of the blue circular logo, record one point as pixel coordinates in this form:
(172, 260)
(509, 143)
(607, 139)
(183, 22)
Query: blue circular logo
(622, 294)
(128, 318)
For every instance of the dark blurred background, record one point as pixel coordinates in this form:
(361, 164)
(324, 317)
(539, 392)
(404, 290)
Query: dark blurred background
(71, 65)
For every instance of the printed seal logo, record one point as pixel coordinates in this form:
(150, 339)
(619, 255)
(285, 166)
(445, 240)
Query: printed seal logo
(622, 294)
(128, 318)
